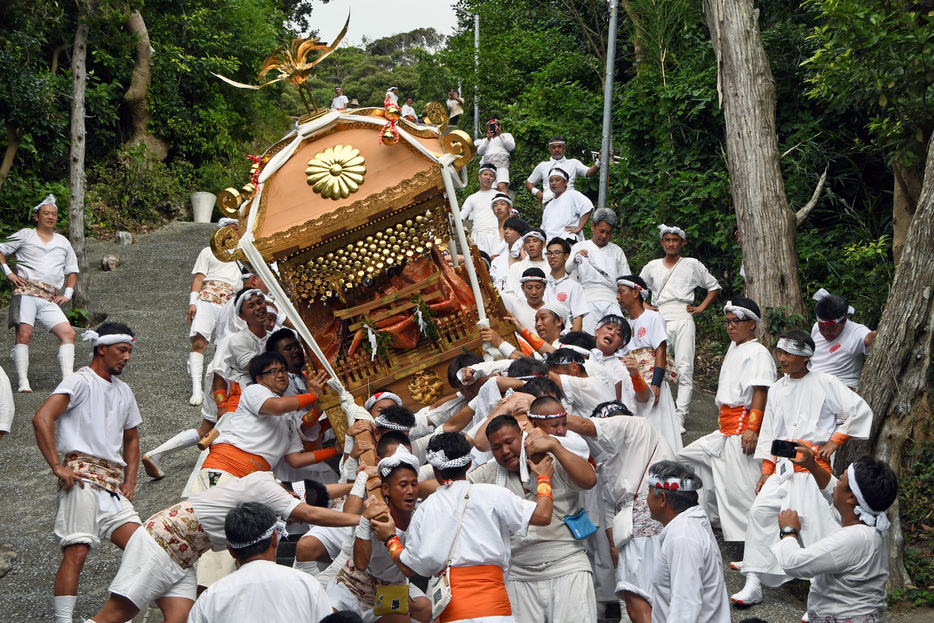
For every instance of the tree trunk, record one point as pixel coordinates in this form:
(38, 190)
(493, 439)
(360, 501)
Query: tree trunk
(137, 96)
(897, 372)
(638, 45)
(14, 138)
(747, 93)
(905, 194)
(79, 73)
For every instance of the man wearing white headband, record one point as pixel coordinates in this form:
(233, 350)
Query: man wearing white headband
(612, 335)
(724, 458)
(533, 242)
(840, 344)
(566, 215)
(87, 432)
(810, 407)
(562, 289)
(550, 578)
(649, 345)
(532, 298)
(596, 263)
(688, 582)
(672, 280)
(158, 564)
(467, 527)
(849, 568)
(392, 96)
(340, 100)
(43, 260)
(513, 229)
(495, 149)
(574, 168)
(477, 208)
(214, 283)
(260, 589)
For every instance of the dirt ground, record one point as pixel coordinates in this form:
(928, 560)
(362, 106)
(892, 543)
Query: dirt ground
(149, 292)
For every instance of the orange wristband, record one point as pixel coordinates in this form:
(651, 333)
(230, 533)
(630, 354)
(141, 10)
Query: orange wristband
(220, 396)
(754, 421)
(395, 547)
(768, 467)
(325, 454)
(306, 400)
(638, 383)
(533, 340)
(839, 439)
(312, 416)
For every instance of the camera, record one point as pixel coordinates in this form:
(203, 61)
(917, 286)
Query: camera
(492, 127)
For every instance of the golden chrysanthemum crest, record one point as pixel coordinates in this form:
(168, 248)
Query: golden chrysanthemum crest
(336, 172)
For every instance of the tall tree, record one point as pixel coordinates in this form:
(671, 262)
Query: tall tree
(79, 73)
(137, 95)
(747, 93)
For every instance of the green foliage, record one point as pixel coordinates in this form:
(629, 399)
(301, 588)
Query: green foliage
(78, 317)
(779, 319)
(916, 499)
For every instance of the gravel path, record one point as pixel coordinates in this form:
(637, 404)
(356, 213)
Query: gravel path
(149, 292)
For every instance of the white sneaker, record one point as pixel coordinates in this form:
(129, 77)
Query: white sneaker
(805, 618)
(153, 467)
(751, 593)
(736, 565)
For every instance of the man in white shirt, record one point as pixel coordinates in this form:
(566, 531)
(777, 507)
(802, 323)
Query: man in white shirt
(158, 564)
(44, 258)
(408, 112)
(724, 458)
(392, 96)
(672, 280)
(849, 568)
(688, 584)
(533, 243)
(477, 208)
(260, 590)
(574, 168)
(561, 288)
(597, 264)
(213, 284)
(340, 100)
(495, 149)
(91, 421)
(566, 215)
(840, 344)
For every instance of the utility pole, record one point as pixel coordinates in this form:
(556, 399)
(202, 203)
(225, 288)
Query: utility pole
(605, 151)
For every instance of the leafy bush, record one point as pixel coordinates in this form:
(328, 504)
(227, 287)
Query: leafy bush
(916, 501)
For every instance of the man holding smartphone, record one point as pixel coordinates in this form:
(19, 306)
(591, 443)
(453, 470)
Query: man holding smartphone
(495, 149)
(803, 406)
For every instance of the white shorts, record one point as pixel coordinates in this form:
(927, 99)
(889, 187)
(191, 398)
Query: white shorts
(79, 519)
(205, 320)
(147, 573)
(569, 597)
(33, 309)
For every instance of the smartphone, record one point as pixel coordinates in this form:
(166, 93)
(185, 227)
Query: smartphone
(492, 127)
(786, 449)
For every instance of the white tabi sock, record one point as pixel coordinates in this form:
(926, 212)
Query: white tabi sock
(196, 370)
(185, 439)
(64, 606)
(66, 359)
(21, 363)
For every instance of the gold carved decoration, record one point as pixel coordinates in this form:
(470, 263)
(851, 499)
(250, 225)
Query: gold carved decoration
(336, 172)
(458, 143)
(224, 243)
(437, 115)
(425, 387)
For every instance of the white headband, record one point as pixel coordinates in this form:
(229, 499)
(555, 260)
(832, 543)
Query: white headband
(276, 527)
(577, 349)
(740, 312)
(866, 514)
(501, 198)
(383, 422)
(672, 484)
(440, 461)
(246, 296)
(559, 171)
(532, 278)
(534, 234)
(635, 286)
(556, 142)
(49, 200)
(611, 319)
(609, 410)
(558, 310)
(372, 400)
(224, 222)
(97, 339)
(794, 347)
(401, 456)
(553, 360)
(536, 416)
(665, 229)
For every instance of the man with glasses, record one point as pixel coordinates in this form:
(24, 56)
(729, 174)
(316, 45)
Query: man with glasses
(560, 287)
(724, 458)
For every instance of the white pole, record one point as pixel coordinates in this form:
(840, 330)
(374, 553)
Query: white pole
(476, 84)
(608, 104)
(462, 240)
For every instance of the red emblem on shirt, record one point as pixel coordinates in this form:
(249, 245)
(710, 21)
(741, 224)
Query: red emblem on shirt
(640, 332)
(562, 296)
(834, 348)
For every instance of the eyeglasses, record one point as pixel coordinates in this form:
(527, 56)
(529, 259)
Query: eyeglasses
(554, 253)
(275, 371)
(733, 323)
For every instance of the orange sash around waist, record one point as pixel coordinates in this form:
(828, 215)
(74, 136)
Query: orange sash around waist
(476, 592)
(236, 462)
(820, 462)
(732, 420)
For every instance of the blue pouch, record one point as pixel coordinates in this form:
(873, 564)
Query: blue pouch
(580, 525)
